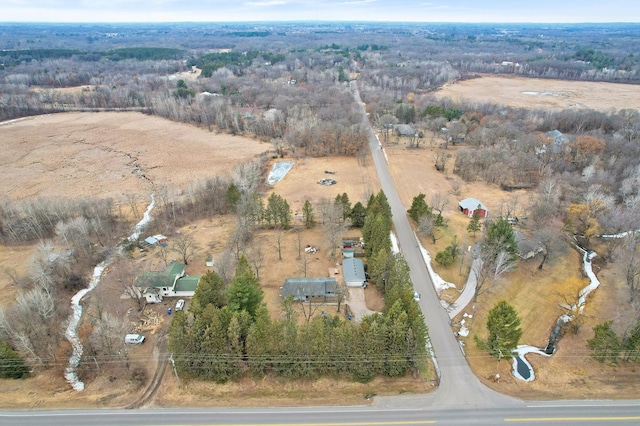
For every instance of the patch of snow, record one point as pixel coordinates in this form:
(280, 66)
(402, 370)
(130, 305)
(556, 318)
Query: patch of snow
(439, 283)
(71, 334)
(594, 282)
(279, 171)
(394, 243)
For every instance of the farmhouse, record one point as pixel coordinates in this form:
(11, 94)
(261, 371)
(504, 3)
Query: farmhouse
(310, 289)
(172, 282)
(469, 206)
(353, 272)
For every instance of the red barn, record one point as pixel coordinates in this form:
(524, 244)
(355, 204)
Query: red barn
(469, 206)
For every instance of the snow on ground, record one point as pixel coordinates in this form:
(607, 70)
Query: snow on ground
(71, 333)
(394, 243)
(594, 282)
(437, 280)
(520, 352)
(279, 171)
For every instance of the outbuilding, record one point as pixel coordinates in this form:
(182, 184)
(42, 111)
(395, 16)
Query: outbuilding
(353, 272)
(471, 206)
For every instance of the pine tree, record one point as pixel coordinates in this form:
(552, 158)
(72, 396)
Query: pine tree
(605, 344)
(210, 290)
(244, 292)
(474, 224)
(504, 329)
(309, 216)
(419, 208)
(233, 197)
(500, 237)
(12, 366)
(358, 215)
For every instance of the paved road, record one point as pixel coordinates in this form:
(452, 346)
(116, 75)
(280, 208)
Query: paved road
(568, 412)
(458, 385)
(468, 291)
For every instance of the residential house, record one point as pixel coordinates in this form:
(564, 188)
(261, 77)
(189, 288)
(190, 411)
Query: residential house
(353, 272)
(469, 206)
(310, 289)
(172, 282)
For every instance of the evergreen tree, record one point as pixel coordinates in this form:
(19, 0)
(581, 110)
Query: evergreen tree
(277, 212)
(419, 208)
(500, 237)
(210, 290)
(12, 366)
(380, 265)
(504, 329)
(358, 215)
(632, 344)
(244, 292)
(233, 197)
(309, 216)
(259, 345)
(474, 223)
(345, 204)
(605, 344)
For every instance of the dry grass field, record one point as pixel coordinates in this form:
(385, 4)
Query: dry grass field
(538, 93)
(93, 155)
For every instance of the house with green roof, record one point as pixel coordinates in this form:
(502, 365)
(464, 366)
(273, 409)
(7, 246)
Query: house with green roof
(172, 282)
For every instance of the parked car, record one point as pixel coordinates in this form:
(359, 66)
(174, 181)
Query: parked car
(179, 305)
(134, 339)
(416, 296)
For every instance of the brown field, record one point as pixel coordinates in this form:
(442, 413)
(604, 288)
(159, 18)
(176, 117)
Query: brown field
(538, 93)
(92, 154)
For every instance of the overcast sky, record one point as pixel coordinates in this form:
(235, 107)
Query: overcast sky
(327, 10)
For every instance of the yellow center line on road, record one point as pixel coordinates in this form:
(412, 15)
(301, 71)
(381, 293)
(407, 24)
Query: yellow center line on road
(572, 419)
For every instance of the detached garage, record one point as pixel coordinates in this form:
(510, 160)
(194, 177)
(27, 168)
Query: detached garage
(471, 206)
(353, 272)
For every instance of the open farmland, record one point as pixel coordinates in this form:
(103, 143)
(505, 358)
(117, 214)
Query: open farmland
(96, 154)
(537, 93)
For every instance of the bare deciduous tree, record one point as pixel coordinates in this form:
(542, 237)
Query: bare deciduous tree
(186, 247)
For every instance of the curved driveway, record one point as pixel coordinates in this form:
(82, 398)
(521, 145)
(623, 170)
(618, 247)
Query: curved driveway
(458, 385)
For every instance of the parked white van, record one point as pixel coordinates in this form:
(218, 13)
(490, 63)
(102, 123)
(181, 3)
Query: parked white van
(134, 339)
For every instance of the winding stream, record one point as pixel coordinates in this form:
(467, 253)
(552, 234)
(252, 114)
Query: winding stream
(520, 363)
(71, 374)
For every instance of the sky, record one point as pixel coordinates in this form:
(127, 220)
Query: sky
(551, 11)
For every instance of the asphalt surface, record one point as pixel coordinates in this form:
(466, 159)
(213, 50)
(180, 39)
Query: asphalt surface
(569, 412)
